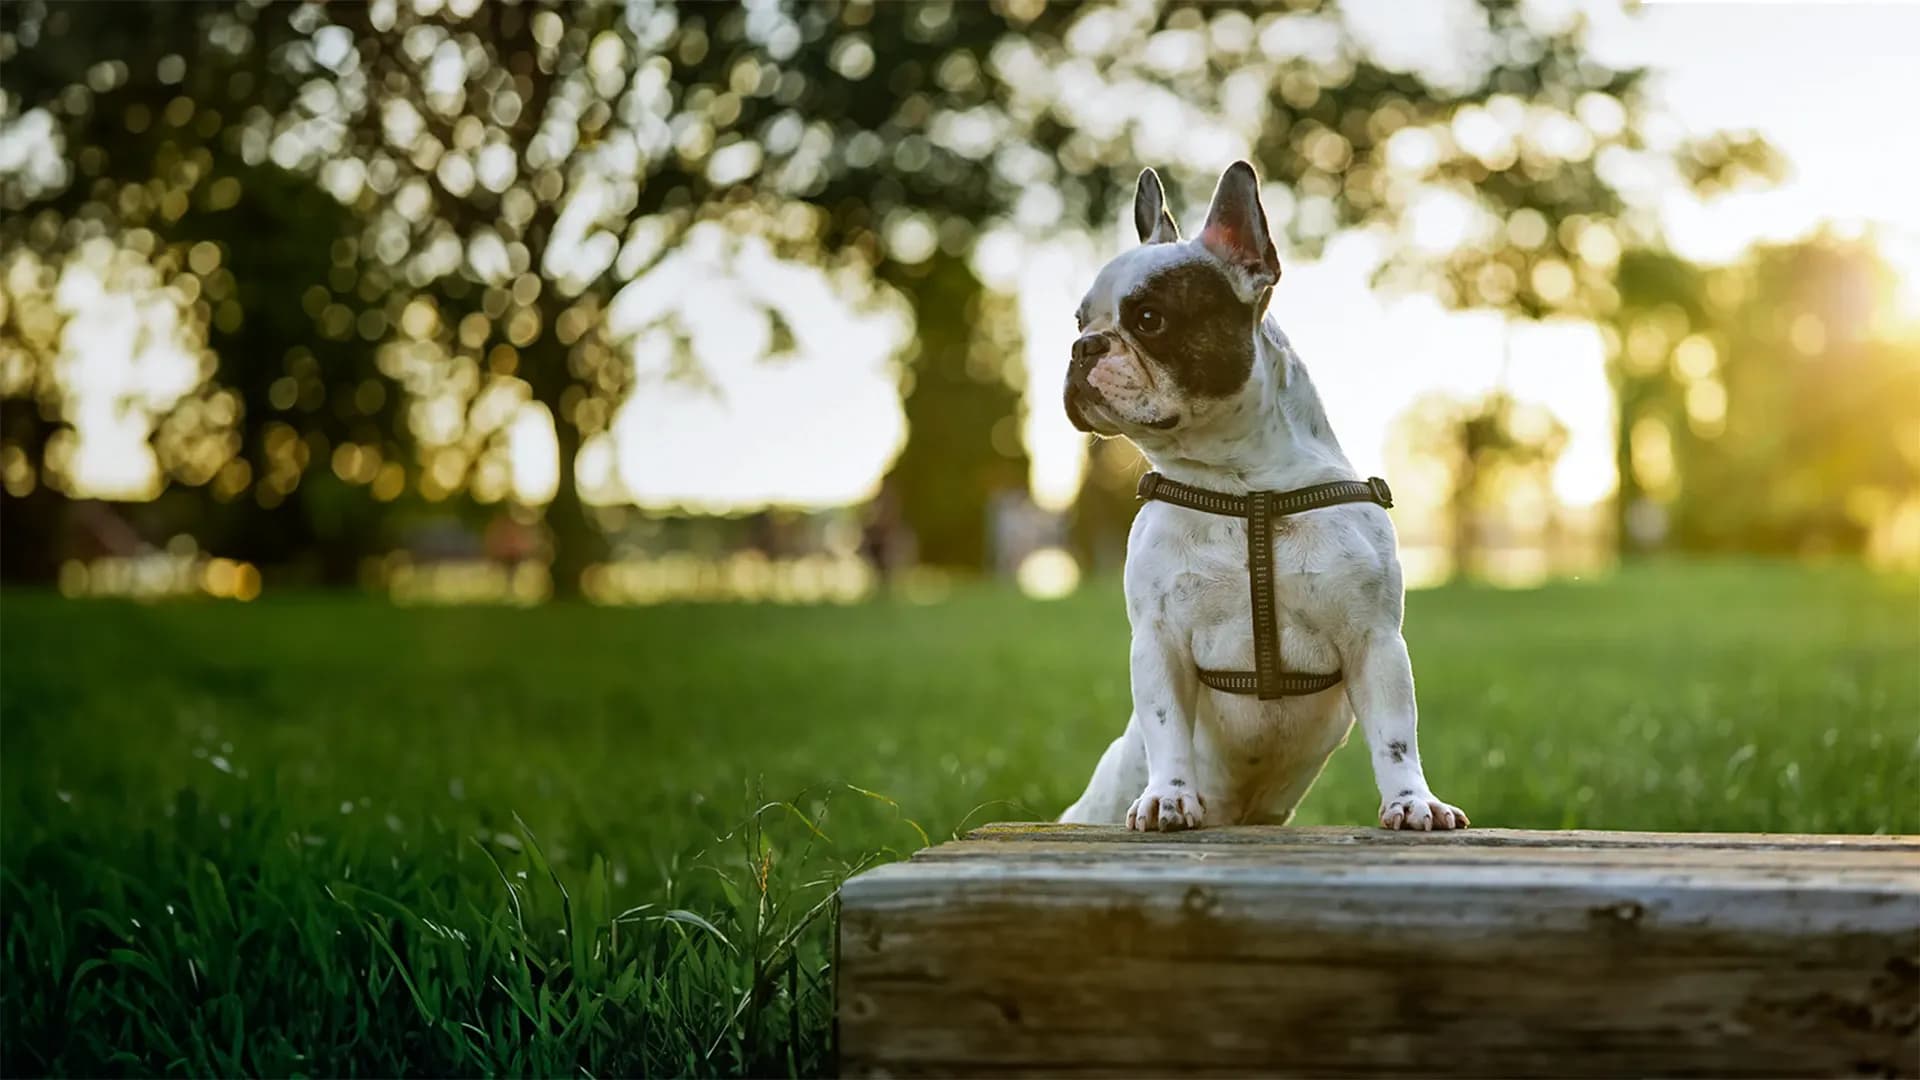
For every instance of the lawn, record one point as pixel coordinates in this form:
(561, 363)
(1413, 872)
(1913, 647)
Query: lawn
(324, 835)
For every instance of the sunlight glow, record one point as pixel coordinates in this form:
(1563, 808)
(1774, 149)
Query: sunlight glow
(179, 569)
(534, 453)
(743, 576)
(1048, 574)
(813, 428)
(124, 359)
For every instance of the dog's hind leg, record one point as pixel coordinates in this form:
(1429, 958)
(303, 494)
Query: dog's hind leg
(1116, 782)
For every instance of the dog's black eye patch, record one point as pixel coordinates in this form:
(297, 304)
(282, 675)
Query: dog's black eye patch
(1206, 337)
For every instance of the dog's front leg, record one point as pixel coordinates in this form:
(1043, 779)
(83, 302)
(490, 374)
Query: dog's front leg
(1165, 685)
(1380, 688)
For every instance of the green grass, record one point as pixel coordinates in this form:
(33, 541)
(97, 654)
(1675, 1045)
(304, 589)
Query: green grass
(327, 836)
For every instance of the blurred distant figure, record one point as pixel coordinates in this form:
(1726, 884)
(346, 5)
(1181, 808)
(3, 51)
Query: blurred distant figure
(98, 529)
(512, 542)
(1017, 527)
(885, 540)
(763, 534)
(443, 540)
(777, 534)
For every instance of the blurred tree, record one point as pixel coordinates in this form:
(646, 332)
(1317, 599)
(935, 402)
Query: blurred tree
(520, 168)
(1662, 302)
(158, 116)
(1492, 450)
(1103, 511)
(531, 164)
(1759, 401)
(963, 437)
(1794, 430)
(50, 78)
(514, 166)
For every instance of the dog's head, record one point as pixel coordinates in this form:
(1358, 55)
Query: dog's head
(1167, 332)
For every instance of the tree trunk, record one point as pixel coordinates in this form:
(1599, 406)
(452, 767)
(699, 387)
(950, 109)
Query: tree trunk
(30, 527)
(1626, 406)
(949, 470)
(1466, 493)
(577, 541)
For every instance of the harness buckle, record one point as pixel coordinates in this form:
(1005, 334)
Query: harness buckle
(1381, 492)
(1149, 483)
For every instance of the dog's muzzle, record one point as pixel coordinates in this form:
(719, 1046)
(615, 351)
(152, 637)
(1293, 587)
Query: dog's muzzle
(1087, 351)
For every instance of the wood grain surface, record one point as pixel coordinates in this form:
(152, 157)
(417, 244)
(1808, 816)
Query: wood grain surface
(1062, 950)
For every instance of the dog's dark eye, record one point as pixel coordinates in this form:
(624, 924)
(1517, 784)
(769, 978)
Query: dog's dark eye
(1148, 321)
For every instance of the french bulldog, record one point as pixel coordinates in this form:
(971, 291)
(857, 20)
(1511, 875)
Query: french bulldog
(1178, 355)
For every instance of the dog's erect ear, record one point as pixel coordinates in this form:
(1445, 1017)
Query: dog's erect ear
(1236, 230)
(1150, 211)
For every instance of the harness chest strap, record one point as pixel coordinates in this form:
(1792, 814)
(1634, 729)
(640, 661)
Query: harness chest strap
(1259, 509)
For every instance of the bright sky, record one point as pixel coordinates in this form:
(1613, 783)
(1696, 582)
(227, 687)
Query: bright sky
(812, 428)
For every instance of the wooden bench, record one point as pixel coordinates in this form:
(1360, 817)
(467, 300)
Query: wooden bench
(1088, 950)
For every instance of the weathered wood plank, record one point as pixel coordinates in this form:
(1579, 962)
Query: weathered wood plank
(1093, 951)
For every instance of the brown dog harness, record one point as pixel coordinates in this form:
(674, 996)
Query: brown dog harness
(1259, 508)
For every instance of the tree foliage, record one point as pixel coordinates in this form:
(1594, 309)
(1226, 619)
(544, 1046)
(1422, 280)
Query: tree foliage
(1488, 452)
(457, 195)
(1758, 400)
(158, 190)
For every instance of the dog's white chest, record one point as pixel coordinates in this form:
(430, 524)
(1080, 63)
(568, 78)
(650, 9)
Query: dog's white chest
(1190, 569)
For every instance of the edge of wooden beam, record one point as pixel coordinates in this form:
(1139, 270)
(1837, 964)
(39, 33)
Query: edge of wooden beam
(1338, 836)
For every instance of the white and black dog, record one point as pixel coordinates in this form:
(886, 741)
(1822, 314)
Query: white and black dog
(1177, 355)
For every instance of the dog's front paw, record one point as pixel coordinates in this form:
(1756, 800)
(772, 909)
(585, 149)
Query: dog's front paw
(1167, 808)
(1422, 811)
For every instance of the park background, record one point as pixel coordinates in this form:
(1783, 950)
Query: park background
(503, 506)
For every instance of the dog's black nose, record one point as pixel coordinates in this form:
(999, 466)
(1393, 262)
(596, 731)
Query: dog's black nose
(1090, 347)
